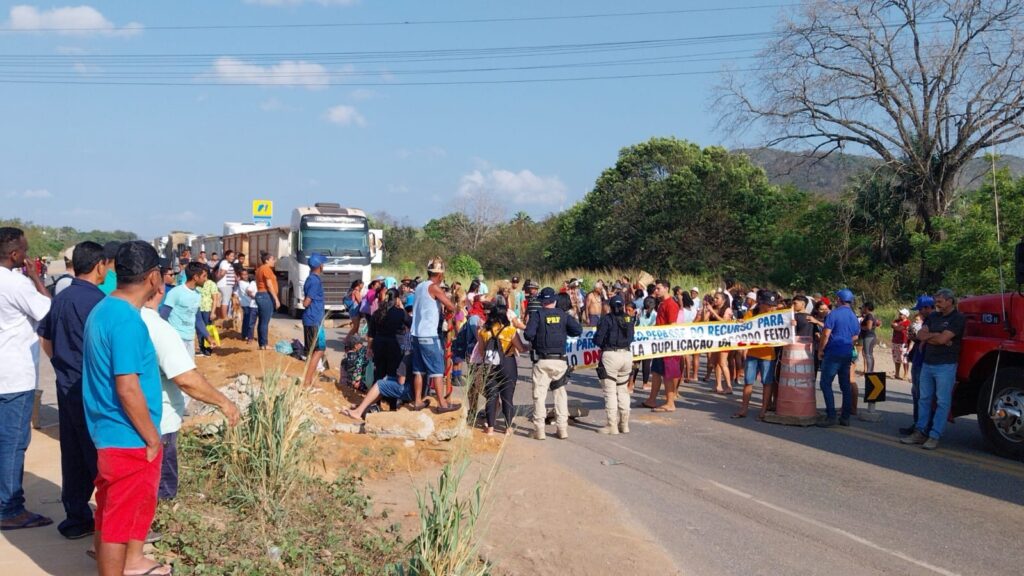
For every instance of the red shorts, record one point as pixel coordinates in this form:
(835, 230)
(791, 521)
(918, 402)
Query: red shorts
(126, 486)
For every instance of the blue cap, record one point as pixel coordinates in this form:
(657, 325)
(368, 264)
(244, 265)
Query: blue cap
(546, 295)
(924, 302)
(616, 301)
(845, 295)
(316, 260)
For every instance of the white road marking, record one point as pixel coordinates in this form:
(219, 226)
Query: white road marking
(638, 453)
(840, 531)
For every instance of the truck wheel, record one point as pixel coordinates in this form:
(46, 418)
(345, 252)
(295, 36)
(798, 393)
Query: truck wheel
(1002, 419)
(293, 310)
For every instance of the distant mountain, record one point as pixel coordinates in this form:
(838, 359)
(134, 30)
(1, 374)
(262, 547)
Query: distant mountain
(831, 175)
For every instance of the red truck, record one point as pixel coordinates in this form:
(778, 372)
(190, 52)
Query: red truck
(990, 376)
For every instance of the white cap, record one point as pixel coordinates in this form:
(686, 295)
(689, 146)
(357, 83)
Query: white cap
(751, 296)
(904, 312)
(695, 289)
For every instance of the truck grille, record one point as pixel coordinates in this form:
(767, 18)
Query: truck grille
(336, 285)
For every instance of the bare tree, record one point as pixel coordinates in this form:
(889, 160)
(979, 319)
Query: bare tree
(481, 211)
(924, 84)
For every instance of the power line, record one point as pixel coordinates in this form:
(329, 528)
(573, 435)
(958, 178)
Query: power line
(514, 19)
(379, 84)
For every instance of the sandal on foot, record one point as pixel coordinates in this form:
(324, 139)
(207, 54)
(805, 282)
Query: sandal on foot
(738, 415)
(448, 408)
(25, 520)
(153, 571)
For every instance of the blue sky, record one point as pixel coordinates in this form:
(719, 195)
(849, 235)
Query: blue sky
(149, 158)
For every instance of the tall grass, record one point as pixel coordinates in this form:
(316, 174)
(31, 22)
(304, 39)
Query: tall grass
(267, 455)
(448, 541)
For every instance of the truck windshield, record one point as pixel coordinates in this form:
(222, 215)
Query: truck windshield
(338, 243)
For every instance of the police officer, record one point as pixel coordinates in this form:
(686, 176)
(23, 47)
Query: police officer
(614, 337)
(547, 330)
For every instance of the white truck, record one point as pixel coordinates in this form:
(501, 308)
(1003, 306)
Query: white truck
(342, 235)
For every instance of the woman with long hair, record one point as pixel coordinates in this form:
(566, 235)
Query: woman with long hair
(719, 311)
(688, 315)
(499, 343)
(354, 299)
(647, 316)
(383, 331)
(365, 306)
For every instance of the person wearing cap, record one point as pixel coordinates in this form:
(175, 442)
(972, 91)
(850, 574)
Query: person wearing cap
(593, 304)
(924, 307)
(121, 392)
(547, 331)
(110, 255)
(428, 356)
(900, 327)
(614, 337)
(313, 316)
(24, 301)
(942, 334)
(531, 304)
(61, 336)
(760, 359)
(518, 297)
(835, 351)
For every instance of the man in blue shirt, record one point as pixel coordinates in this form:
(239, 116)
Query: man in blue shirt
(835, 351)
(121, 392)
(61, 335)
(313, 316)
(109, 283)
(181, 305)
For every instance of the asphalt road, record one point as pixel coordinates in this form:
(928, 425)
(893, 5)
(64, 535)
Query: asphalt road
(730, 496)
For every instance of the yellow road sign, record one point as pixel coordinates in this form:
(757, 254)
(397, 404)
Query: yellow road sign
(874, 387)
(262, 208)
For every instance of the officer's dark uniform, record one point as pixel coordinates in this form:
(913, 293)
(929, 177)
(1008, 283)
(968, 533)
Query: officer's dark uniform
(547, 330)
(614, 337)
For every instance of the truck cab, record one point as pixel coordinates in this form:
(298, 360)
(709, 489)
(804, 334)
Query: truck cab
(343, 237)
(990, 374)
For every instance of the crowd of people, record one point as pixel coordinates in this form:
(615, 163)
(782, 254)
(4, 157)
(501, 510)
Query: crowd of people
(479, 330)
(123, 372)
(123, 333)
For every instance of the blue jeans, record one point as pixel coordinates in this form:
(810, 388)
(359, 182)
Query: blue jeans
(427, 357)
(248, 321)
(766, 367)
(15, 433)
(937, 381)
(264, 311)
(915, 385)
(830, 367)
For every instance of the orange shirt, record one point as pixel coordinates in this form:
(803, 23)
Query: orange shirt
(266, 281)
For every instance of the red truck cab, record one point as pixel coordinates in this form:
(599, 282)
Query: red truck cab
(990, 375)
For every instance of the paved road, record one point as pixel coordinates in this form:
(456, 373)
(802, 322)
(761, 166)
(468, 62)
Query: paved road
(740, 496)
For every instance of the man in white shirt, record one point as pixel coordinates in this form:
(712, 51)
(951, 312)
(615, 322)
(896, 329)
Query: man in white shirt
(24, 302)
(225, 276)
(178, 374)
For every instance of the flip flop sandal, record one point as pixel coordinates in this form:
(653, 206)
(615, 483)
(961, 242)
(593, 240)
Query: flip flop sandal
(738, 415)
(449, 408)
(153, 571)
(32, 521)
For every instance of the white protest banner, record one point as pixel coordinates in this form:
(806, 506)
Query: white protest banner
(771, 329)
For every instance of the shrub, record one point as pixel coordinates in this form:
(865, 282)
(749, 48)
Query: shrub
(464, 266)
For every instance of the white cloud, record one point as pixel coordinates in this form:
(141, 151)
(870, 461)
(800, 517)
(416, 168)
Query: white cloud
(344, 115)
(34, 194)
(523, 187)
(69, 20)
(285, 73)
(297, 2)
